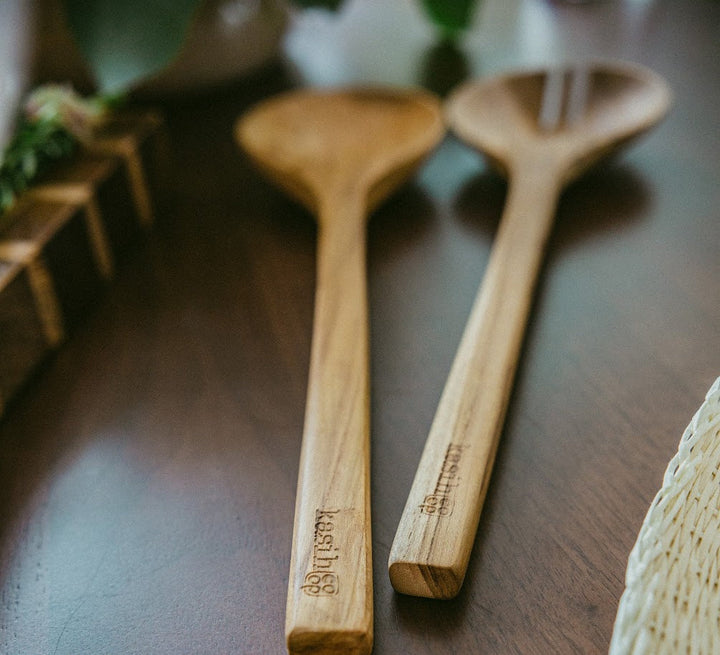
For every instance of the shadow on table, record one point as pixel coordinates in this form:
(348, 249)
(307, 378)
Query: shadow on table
(609, 198)
(399, 222)
(434, 619)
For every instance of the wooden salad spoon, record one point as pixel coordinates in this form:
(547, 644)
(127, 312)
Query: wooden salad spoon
(542, 129)
(339, 153)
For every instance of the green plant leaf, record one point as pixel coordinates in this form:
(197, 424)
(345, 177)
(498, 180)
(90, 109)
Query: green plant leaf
(451, 16)
(126, 40)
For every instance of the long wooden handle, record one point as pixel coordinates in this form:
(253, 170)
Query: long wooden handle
(329, 605)
(430, 553)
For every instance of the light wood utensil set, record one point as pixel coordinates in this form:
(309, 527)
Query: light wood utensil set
(340, 153)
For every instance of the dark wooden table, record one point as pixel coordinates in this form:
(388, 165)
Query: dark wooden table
(147, 473)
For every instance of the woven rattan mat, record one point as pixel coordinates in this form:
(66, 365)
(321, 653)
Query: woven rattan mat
(671, 602)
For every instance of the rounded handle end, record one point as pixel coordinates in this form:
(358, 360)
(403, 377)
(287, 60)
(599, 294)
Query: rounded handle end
(426, 580)
(304, 641)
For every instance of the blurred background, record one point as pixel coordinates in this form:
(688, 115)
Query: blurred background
(164, 47)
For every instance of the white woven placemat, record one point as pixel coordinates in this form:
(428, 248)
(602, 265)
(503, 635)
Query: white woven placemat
(671, 602)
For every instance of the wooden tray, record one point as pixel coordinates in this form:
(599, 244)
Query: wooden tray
(63, 239)
(25, 341)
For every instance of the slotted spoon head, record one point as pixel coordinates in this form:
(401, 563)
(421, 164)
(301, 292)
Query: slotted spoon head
(571, 117)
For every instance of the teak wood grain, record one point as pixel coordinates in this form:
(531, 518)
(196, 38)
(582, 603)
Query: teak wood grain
(340, 153)
(543, 134)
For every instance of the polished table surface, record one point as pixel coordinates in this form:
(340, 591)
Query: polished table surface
(147, 473)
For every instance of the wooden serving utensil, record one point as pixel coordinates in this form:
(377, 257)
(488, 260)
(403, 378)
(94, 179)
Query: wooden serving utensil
(339, 153)
(543, 129)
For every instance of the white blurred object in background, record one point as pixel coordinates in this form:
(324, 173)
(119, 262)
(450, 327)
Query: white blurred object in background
(15, 54)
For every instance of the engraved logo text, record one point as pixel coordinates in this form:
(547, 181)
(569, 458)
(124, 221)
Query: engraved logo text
(440, 501)
(322, 579)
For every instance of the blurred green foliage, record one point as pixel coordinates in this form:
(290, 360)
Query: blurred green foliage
(125, 40)
(36, 144)
(450, 16)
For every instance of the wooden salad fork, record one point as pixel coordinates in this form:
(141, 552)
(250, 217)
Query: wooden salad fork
(542, 129)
